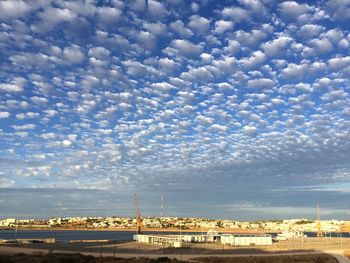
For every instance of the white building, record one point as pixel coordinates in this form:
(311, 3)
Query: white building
(181, 240)
(246, 240)
(8, 222)
(160, 240)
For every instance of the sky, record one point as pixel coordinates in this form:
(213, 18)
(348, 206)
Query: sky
(226, 109)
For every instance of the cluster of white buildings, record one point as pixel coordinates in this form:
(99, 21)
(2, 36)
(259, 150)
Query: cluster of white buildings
(303, 225)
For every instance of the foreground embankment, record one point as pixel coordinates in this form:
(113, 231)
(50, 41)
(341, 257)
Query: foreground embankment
(135, 251)
(78, 258)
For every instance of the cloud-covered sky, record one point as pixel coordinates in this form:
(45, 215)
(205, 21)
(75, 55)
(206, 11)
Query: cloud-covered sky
(228, 109)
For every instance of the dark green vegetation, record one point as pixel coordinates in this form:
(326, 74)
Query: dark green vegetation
(312, 258)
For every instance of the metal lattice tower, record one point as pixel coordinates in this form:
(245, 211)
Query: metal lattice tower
(161, 206)
(138, 215)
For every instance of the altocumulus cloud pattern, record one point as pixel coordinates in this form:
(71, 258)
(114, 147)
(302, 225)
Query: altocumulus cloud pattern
(234, 109)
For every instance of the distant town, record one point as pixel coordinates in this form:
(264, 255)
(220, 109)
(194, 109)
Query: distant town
(176, 223)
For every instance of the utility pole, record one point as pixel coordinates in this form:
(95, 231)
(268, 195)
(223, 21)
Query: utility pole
(181, 241)
(319, 229)
(101, 254)
(114, 252)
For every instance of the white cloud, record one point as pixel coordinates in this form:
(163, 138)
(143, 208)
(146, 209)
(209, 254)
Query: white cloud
(27, 60)
(156, 28)
(206, 58)
(293, 71)
(48, 136)
(339, 62)
(28, 126)
(338, 9)
(109, 15)
(321, 45)
(134, 68)
(168, 65)
(252, 38)
(199, 24)
(39, 100)
(73, 54)
(197, 74)
(254, 60)
(277, 101)
(250, 130)
(163, 86)
(225, 65)
(232, 47)
(225, 86)
(99, 52)
(186, 48)
(222, 25)
(204, 120)
(156, 9)
(291, 10)
(146, 40)
(218, 128)
(66, 143)
(57, 15)
(72, 137)
(138, 5)
(82, 8)
(276, 47)
(27, 115)
(262, 83)
(334, 95)
(13, 9)
(4, 114)
(6, 183)
(310, 30)
(237, 14)
(9, 87)
(254, 5)
(334, 35)
(93, 91)
(16, 85)
(179, 27)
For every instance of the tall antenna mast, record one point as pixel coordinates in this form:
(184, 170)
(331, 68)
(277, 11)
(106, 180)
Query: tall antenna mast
(161, 205)
(319, 229)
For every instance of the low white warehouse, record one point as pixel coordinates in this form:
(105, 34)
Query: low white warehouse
(169, 240)
(246, 240)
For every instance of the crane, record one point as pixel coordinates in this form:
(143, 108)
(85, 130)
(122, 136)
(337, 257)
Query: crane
(138, 215)
(319, 230)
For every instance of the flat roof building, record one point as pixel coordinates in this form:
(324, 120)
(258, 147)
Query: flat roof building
(226, 239)
(246, 240)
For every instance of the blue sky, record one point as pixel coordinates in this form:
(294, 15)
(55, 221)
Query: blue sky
(228, 109)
